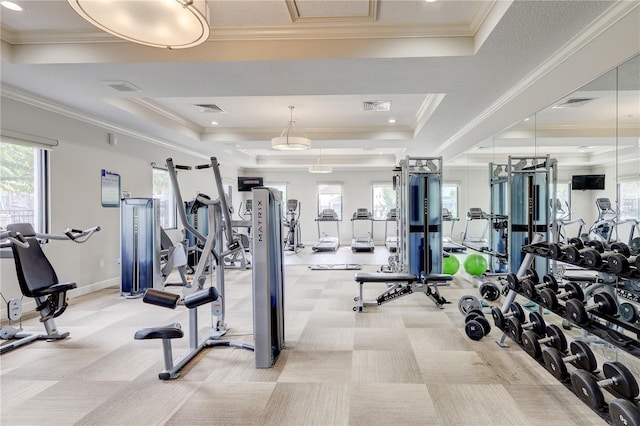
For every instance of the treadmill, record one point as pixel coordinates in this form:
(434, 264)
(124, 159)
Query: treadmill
(325, 242)
(391, 242)
(448, 244)
(477, 243)
(362, 243)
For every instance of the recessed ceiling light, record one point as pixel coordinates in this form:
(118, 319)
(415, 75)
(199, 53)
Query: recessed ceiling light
(215, 123)
(11, 6)
(526, 119)
(430, 1)
(392, 120)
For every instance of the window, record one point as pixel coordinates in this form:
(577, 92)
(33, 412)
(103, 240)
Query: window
(330, 197)
(384, 199)
(23, 186)
(450, 199)
(163, 191)
(629, 200)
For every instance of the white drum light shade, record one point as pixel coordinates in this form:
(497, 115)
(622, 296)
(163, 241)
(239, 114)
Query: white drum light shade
(172, 24)
(320, 168)
(287, 142)
(290, 143)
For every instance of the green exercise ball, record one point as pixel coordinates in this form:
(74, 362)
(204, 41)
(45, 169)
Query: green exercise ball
(450, 265)
(475, 265)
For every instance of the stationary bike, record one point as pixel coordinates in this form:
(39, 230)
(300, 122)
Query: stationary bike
(292, 241)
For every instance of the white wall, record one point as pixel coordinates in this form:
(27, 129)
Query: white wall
(75, 192)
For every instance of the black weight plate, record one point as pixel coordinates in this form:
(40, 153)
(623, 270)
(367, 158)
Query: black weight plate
(517, 311)
(634, 245)
(528, 288)
(576, 242)
(474, 330)
(618, 263)
(548, 299)
(624, 412)
(592, 258)
(489, 291)
(485, 324)
(514, 329)
(532, 275)
(626, 385)
(606, 303)
(513, 281)
(468, 303)
(586, 359)
(572, 254)
(538, 323)
(498, 318)
(559, 341)
(637, 262)
(575, 311)
(628, 312)
(574, 291)
(530, 344)
(586, 388)
(555, 250)
(621, 248)
(550, 281)
(595, 244)
(554, 363)
(471, 316)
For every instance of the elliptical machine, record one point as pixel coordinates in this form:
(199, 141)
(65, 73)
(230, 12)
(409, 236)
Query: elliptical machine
(292, 241)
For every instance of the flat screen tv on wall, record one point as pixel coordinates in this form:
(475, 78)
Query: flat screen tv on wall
(246, 183)
(582, 182)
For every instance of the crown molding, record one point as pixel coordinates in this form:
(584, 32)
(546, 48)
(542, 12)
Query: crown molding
(45, 104)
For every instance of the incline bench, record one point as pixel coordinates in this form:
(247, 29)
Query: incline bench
(401, 284)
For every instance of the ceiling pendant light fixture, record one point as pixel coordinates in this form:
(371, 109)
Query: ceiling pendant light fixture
(320, 168)
(171, 24)
(287, 141)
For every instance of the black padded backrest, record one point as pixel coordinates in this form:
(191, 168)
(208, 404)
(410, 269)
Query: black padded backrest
(33, 268)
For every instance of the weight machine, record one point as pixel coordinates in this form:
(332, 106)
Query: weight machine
(268, 279)
(391, 242)
(417, 265)
(293, 239)
(38, 280)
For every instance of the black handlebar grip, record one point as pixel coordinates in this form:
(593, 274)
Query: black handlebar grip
(178, 166)
(203, 166)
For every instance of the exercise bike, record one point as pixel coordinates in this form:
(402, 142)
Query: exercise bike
(292, 241)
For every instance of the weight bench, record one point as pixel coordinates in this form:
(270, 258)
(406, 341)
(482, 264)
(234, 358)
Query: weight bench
(401, 284)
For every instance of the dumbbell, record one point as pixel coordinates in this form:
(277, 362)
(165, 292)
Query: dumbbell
(530, 289)
(624, 412)
(594, 258)
(489, 291)
(514, 281)
(549, 298)
(515, 326)
(500, 318)
(581, 356)
(476, 325)
(628, 312)
(555, 338)
(621, 264)
(618, 378)
(558, 250)
(574, 255)
(603, 302)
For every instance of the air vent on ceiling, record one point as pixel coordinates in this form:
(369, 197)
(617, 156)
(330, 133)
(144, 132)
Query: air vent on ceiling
(211, 108)
(376, 105)
(122, 86)
(574, 103)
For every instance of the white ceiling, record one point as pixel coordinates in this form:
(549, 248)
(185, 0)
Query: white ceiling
(444, 66)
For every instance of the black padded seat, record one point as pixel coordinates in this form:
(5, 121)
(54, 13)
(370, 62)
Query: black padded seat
(56, 288)
(383, 277)
(439, 278)
(171, 331)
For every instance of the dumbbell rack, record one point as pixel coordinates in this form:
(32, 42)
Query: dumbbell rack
(604, 332)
